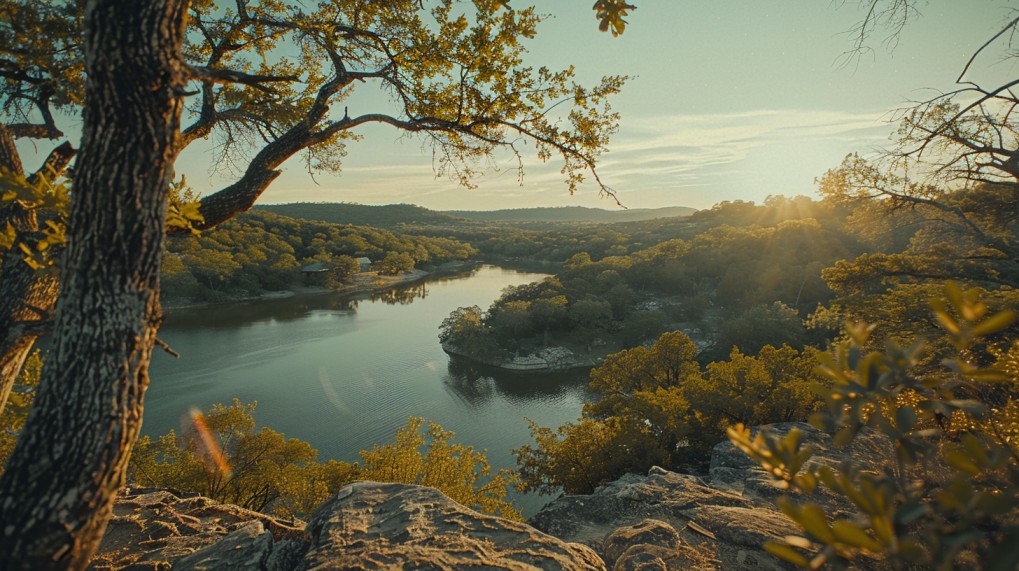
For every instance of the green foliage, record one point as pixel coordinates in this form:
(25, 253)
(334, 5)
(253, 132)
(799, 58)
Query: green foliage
(44, 200)
(952, 494)
(776, 385)
(578, 457)
(610, 14)
(426, 456)
(222, 455)
(655, 406)
(343, 268)
(775, 324)
(182, 211)
(261, 251)
(14, 414)
(44, 39)
(758, 276)
(395, 263)
(465, 331)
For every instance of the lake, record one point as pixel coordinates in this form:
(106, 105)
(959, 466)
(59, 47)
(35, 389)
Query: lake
(344, 373)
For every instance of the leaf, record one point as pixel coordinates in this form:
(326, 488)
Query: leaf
(847, 532)
(786, 553)
(995, 323)
(905, 418)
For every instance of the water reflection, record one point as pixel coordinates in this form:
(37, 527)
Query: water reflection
(402, 295)
(476, 384)
(240, 314)
(345, 372)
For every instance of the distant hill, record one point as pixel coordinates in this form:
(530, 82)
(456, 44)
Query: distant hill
(390, 215)
(572, 214)
(361, 214)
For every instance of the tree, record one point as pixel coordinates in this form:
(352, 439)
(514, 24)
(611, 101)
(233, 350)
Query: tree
(654, 406)
(395, 263)
(344, 267)
(579, 457)
(223, 456)
(88, 409)
(775, 385)
(426, 456)
(761, 325)
(949, 496)
(469, 99)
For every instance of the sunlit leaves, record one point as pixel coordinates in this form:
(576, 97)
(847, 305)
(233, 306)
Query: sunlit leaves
(43, 200)
(265, 471)
(955, 482)
(610, 14)
(40, 51)
(425, 454)
(13, 416)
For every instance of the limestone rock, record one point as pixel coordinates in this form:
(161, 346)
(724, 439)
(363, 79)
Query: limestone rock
(153, 529)
(644, 557)
(722, 521)
(647, 532)
(245, 549)
(369, 525)
(732, 469)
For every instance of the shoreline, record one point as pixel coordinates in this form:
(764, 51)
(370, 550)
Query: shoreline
(554, 362)
(364, 283)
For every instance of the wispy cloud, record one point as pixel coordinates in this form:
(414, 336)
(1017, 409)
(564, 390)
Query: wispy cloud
(689, 159)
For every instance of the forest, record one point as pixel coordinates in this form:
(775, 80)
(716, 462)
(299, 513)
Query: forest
(259, 251)
(887, 305)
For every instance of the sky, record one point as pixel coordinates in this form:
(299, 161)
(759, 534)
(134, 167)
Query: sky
(730, 100)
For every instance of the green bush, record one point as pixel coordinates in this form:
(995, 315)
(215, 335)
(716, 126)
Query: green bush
(951, 496)
(223, 456)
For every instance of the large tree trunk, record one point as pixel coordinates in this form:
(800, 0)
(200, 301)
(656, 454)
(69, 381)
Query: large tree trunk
(57, 492)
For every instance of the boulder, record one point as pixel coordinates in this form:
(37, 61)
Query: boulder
(733, 470)
(647, 532)
(370, 525)
(722, 521)
(246, 548)
(154, 528)
(366, 525)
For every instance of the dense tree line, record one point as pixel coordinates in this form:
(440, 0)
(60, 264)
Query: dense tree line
(745, 275)
(657, 405)
(262, 251)
(266, 80)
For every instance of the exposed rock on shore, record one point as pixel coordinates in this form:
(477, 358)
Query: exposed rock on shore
(545, 360)
(659, 521)
(366, 525)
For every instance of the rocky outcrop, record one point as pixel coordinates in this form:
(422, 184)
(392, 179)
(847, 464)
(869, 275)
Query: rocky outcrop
(659, 521)
(366, 525)
(714, 528)
(544, 360)
(152, 529)
(664, 520)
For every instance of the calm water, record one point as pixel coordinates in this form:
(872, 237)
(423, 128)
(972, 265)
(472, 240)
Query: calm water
(344, 374)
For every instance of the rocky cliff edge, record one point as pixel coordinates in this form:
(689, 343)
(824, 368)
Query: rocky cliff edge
(658, 521)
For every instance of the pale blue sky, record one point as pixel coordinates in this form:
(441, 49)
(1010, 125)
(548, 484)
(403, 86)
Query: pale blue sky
(732, 99)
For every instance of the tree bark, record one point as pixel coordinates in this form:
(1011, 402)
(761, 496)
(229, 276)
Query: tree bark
(57, 492)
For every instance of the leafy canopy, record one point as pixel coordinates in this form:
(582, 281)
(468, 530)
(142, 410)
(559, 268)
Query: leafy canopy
(222, 455)
(950, 497)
